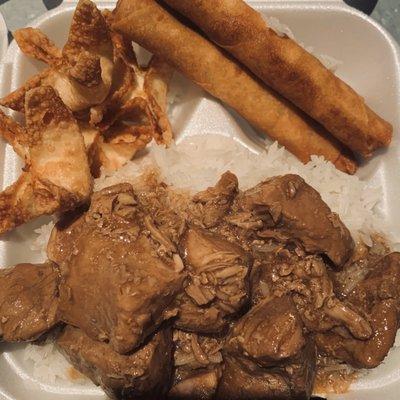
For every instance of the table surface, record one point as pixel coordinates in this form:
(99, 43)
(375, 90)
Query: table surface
(18, 13)
(387, 13)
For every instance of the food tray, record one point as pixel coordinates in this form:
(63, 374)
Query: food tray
(370, 63)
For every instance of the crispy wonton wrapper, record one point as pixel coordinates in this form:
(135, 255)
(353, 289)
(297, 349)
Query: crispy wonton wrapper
(134, 85)
(111, 150)
(56, 175)
(124, 112)
(82, 72)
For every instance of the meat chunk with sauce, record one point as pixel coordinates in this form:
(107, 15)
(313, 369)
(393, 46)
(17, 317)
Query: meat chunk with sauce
(131, 261)
(217, 286)
(380, 284)
(198, 366)
(286, 208)
(116, 270)
(270, 333)
(306, 279)
(363, 353)
(144, 374)
(378, 297)
(211, 205)
(267, 355)
(245, 380)
(28, 301)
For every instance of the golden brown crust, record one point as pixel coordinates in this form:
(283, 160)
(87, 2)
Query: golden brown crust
(118, 145)
(290, 70)
(82, 72)
(16, 100)
(88, 31)
(86, 69)
(11, 213)
(29, 198)
(14, 134)
(44, 110)
(123, 49)
(97, 77)
(36, 44)
(346, 164)
(151, 26)
(56, 175)
(88, 40)
(124, 85)
(138, 95)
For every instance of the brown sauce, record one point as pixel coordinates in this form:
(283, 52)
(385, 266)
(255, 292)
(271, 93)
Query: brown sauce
(334, 379)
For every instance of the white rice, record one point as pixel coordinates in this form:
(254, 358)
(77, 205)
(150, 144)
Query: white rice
(39, 243)
(50, 366)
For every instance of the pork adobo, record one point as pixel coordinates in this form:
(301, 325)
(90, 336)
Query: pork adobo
(268, 355)
(28, 301)
(217, 285)
(227, 295)
(113, 267)
(198, 366)
(377, 297)
(287, 209)
(140, 375)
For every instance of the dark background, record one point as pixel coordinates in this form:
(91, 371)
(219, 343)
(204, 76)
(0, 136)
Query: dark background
(366, 6)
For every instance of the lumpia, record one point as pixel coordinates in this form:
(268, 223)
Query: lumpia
(290, 70)
(151, 26)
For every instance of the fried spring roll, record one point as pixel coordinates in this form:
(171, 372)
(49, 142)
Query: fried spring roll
(290, 70)
(151, 26)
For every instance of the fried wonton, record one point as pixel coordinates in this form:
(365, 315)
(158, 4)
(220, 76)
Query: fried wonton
(82, 71)
(97, 76)
(110, 150)
(56, 175)
(138, 93)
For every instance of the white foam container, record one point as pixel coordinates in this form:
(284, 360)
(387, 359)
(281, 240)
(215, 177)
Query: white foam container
(371, 64)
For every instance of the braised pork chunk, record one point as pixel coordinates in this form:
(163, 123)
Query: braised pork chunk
(28, 301)
(143, 374)
(114, 270)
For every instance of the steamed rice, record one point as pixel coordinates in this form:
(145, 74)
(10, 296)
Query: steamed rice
(50, 366)
(39, 243)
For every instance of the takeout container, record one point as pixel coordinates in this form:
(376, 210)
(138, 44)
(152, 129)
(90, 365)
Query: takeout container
(370, 63)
